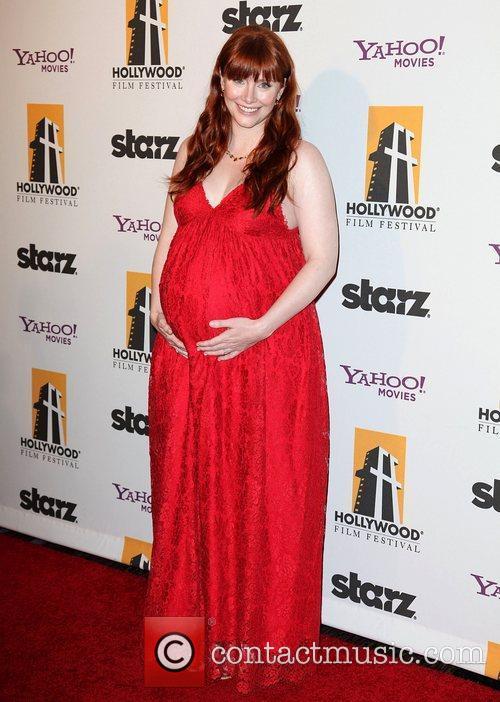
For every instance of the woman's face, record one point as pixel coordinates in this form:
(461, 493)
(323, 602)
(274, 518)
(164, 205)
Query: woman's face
(248, 101)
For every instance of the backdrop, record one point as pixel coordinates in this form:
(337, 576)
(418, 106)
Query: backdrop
(406, 111)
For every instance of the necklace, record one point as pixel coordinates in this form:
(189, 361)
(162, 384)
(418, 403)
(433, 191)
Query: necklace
(235, 158)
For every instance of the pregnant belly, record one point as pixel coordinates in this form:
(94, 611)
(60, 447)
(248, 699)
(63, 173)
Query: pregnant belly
(196, 287)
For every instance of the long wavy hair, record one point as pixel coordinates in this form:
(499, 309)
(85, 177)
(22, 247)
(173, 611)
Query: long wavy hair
(249, 51)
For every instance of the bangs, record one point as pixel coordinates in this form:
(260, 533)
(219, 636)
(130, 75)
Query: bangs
(240, 67)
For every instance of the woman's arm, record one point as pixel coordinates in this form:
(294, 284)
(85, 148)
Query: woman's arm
(168, 229)
(312, 190)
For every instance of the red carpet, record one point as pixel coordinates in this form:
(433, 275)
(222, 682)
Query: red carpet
(72, 630)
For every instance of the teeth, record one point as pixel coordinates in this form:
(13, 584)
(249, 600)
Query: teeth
(248, 109)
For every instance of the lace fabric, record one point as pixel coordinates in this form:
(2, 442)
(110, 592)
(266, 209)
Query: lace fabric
(238, 448)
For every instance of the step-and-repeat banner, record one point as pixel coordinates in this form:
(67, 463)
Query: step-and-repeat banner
(98, 96)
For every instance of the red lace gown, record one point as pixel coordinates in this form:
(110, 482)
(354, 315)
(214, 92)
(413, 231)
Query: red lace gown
(239, 448)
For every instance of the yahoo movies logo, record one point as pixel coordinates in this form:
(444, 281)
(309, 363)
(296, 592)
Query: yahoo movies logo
(392, 174)
(401, 53)
(378, 494)
(406, 388)
(140, 498)
(146, 61)
(487, 588)
(45, 144)
(63, 333)
(496, 249)
(147, 229)
(48, 442)
(48, 61)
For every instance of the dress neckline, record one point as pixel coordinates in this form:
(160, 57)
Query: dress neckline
(214, 207)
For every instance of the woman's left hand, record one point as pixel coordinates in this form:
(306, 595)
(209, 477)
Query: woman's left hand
(241, 334)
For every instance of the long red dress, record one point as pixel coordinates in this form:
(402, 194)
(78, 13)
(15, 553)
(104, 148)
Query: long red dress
(239, 448)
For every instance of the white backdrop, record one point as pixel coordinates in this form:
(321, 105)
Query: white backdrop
(406, 115)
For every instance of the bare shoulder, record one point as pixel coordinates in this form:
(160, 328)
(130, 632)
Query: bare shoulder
(180, 162)
(307, 150)
(310, 170)
(180, 159)
(310, 167)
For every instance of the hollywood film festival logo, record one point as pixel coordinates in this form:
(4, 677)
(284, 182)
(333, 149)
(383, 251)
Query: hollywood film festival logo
(488, 420)
(378, 494)
(140, 334)
(147, 64)
(392, 174)
(136, 553)
(46, 184)
(48, 440)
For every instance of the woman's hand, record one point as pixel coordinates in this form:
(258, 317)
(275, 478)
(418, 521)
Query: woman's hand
(241, 334)
(160, 324)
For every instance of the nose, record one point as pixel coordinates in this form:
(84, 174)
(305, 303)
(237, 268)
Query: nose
(249, 94)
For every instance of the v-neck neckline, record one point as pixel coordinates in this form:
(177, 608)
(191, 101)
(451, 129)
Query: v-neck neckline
(214, 207)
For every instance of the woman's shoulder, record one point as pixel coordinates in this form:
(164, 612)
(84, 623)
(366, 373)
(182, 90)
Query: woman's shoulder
(181, 158)
(307, 153)
(309, 163)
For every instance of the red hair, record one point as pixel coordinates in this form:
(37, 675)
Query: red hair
(249, 51)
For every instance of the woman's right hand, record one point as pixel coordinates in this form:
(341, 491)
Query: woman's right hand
(162, 327)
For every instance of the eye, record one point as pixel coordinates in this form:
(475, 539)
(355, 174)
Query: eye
(266, 85)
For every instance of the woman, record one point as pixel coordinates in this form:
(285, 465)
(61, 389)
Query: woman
(238, 406)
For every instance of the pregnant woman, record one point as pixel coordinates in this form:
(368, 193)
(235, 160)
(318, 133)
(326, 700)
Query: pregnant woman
(238, 405)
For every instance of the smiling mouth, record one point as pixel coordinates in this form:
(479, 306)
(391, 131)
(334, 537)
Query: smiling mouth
(248, 110)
